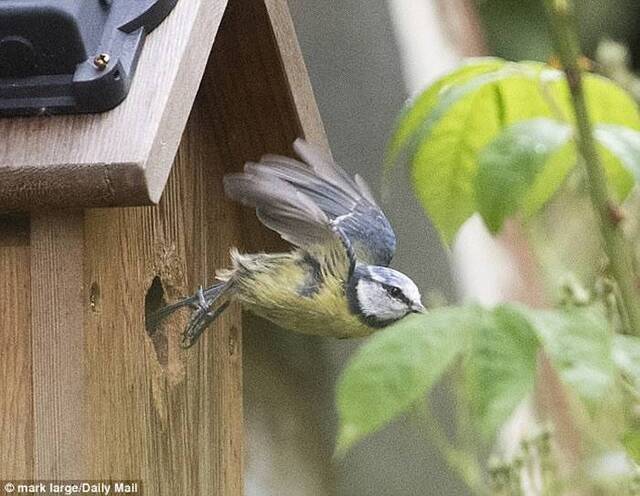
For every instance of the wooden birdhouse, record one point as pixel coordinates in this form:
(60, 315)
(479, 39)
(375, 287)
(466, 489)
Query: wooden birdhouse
(106, 216)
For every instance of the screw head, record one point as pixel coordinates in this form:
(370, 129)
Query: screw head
(101, 61)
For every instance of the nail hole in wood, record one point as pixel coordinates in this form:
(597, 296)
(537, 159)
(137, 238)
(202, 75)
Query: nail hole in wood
(154, 300)
(94, 296)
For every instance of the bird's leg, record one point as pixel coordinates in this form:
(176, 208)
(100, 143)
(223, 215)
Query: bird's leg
(198, 301)
(199, 321)
(202, 302)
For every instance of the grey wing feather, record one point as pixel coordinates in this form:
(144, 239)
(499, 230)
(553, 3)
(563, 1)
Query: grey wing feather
(347, 207)
(324, 166)
(358, 215)
(365, 190)
(280, 207)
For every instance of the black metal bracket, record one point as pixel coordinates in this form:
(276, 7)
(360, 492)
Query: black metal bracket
(71, 56)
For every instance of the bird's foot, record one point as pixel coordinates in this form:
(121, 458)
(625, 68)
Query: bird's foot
(199, 321)
(199, 301)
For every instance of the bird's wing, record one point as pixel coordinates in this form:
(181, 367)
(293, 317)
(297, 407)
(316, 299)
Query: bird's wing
(315, 201)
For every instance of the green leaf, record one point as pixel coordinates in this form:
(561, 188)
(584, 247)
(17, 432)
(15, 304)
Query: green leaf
(608, 103)
(448, 125)
(631, 443)
(624, 144)
(465, 120)
(412, 117)
(549, 180)
(619, 180)
(510, 165)
(501, 367)
(396, 368)
(579, 343)
(626, 355)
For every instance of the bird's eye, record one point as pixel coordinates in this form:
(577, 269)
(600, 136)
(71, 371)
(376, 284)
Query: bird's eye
(395, 292)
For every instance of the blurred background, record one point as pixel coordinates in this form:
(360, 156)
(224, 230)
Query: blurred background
(365, 58)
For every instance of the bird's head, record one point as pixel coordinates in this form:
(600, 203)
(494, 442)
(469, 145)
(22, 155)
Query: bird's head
(381, 296)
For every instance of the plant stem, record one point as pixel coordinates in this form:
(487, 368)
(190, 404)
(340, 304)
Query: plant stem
(465, 437)
(565, 41)
(463, 463)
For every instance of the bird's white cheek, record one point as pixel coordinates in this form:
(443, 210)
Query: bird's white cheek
(374, 301)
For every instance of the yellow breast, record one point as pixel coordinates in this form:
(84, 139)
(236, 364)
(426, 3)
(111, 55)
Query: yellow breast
(271, 287)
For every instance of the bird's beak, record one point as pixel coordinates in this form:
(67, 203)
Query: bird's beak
(419, 308)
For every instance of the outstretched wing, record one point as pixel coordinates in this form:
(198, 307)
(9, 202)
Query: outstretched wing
(315, 201)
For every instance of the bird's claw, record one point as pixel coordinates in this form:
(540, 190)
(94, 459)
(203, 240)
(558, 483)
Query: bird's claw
(201, 304)
(195, 326)
(199, 321)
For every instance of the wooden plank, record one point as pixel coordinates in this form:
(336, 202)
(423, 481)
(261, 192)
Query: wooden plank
(110, 400)
(179, 420)
(120, 157)
(252, 115)
(296, 73)
(16, 407)
(57, 346)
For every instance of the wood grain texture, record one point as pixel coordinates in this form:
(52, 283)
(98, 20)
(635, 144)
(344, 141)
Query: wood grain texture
(297, 77)
(261, 98)
(175, 415)
(16, 406)
(57, 346)
(108, 399)
(120, 157)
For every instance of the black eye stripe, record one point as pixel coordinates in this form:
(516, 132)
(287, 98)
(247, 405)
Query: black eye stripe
(393, 291)
(396, 293)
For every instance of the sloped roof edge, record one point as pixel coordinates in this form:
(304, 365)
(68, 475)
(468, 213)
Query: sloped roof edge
(103, 159)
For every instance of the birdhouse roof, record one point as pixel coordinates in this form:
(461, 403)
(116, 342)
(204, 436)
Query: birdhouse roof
(124, 156)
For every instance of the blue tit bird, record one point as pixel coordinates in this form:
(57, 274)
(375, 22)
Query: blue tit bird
(336, 281)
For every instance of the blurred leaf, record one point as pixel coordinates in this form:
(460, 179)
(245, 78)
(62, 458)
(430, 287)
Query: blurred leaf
(396, 368)
(502, 359)
(549, 179)
(624, 144)
(608, 103)
(619, 179)
(631, 443)
(501, 367)
(466, 119)
(626, 355)
(447, 126)
(510, 164)
(413, 115)
(610, 108)
(579, 343)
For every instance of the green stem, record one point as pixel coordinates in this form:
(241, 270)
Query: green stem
(465, 437)
(567, 47)
(461, 462)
